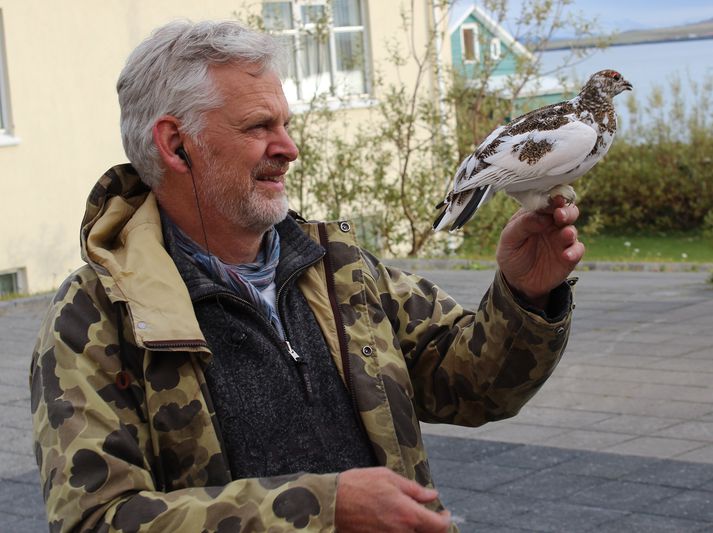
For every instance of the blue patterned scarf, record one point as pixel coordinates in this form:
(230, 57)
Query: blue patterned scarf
(247, 280)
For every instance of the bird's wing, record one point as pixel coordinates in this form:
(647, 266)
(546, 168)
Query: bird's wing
(485, 145)
(485, 176)
(529, 156)
(471, 163)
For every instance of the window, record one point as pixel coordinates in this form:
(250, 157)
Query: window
(470, 47)
(5, 122)
(13, 282)
(326, 46)
(495, 48)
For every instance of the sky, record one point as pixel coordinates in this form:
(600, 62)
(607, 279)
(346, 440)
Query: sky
(632, 14)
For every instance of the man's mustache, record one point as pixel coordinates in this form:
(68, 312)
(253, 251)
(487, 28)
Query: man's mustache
(271, 166)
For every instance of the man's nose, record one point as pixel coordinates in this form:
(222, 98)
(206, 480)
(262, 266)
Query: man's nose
(284, 146)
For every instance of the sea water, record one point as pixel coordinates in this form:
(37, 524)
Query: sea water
(646, 66)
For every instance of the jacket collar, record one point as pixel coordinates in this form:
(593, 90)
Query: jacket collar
(122, 241)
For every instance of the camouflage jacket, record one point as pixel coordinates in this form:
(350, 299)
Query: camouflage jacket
(126, 435)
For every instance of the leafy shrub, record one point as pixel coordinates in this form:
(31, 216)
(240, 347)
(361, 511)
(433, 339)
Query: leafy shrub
(708, 226)
(650, 186)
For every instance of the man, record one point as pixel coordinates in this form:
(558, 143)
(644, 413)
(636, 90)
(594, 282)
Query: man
(219, 365)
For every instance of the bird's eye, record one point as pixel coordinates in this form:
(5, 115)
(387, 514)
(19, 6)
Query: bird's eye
(617, 76)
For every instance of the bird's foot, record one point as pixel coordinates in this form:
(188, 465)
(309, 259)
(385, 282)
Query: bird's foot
(565, 191)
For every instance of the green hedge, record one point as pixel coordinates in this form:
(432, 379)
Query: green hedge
(659, 186)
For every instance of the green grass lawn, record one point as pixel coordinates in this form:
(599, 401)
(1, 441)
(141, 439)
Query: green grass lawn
(671, 247)
(664, 247)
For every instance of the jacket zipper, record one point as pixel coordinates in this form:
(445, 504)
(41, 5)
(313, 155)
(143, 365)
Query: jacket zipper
(303, 369)
(300, 363)
(162, 345)
(341, 330)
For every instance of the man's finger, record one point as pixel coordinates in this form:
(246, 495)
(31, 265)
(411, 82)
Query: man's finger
(526, 223)
(568, 236)
(558, 201)
(428, 521)
(553, 204)
(566, 215)
(574, 253)
(416, 491)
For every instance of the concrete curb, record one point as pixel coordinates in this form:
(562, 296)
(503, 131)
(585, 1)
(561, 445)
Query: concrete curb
(646, 266)
(27, 300)
(613, 266)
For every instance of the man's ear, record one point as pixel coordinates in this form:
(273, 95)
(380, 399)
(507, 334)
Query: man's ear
(168, 140)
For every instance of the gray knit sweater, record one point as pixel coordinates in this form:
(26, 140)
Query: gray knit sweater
(276, 416)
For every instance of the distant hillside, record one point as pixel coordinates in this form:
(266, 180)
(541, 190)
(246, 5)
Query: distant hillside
(698, 30)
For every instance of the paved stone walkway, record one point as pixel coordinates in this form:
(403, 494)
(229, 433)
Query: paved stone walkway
(620, 439)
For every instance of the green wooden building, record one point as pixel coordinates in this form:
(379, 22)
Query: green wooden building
(478, 42)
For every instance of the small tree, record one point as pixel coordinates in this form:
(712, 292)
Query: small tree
(390, 170)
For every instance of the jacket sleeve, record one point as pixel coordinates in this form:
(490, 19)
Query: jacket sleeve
(94, 445)
(471, 367)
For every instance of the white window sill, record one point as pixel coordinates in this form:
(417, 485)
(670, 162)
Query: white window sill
(8, 140)
(335, 104)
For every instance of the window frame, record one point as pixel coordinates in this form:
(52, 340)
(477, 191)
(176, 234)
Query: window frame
(496, 48)
(300, 29)
(474, 27)
(18, 277)
(6, 125)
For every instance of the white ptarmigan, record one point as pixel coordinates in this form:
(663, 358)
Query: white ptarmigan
(537, 155)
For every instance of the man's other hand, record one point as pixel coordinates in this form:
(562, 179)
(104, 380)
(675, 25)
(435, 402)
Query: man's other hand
(538, 250)
(377, 499)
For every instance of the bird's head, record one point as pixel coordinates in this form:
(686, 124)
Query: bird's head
(607, 83)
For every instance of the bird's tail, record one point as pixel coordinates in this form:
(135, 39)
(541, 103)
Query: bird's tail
(437, 223)
(462, 207)
(477, 199)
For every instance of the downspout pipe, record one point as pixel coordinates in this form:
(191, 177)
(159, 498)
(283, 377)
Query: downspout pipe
(437, 15)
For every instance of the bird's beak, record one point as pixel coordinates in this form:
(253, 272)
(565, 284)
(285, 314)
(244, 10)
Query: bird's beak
(626, 86)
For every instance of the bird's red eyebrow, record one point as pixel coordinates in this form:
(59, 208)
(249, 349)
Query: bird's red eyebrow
(612, 73)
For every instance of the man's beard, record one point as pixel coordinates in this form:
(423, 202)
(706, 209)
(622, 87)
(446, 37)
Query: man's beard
(244, 208)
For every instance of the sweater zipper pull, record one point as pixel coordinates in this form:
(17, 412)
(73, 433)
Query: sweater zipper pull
(302, 369)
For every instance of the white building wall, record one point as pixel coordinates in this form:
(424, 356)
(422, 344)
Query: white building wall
(63, 59)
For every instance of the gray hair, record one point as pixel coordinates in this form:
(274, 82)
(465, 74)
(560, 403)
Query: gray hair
(168, 74)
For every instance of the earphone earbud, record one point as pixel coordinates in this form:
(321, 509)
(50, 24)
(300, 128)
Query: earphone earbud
(181, 152)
